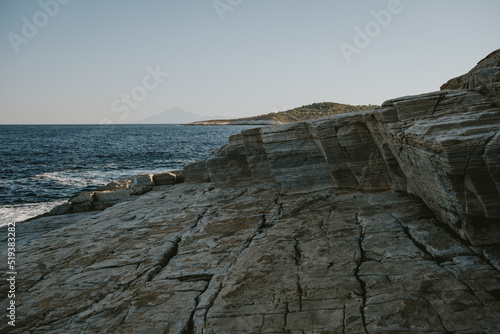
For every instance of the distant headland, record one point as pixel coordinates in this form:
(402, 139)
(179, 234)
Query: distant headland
(315, 110)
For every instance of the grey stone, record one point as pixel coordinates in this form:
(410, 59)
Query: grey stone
(141, 184)
(82, 202)
(62, 209)
(105, 199)
(196, 173)
(116, 185)
(164, 179)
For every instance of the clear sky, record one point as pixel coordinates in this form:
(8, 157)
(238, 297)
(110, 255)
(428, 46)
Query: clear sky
(118, 61)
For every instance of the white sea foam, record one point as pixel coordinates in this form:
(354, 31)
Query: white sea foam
(21, 212)
(82, 179)
(71, 178)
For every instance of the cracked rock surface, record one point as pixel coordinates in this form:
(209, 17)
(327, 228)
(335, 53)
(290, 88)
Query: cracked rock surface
(198, 259)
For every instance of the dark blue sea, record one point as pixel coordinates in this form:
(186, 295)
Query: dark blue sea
(42, 166)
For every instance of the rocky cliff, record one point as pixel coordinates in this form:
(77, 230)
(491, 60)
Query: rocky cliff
(385, 221)
(441, 147)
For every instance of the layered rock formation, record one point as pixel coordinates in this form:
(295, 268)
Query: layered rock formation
(442, 147)
(385, 221)
(484, 78)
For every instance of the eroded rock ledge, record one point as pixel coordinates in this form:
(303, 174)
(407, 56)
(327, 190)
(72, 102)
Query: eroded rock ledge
(443, 147)
(380, 222)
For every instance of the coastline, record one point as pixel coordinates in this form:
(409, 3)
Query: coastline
(234, 122)
(376, 221)
(70, 159)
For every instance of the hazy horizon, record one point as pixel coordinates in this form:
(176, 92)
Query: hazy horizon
(113, 62)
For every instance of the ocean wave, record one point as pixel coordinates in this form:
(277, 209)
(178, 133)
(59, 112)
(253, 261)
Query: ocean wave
(72, 179)
(85, 179)
(78, 179)
(21, 212)
(68, 160)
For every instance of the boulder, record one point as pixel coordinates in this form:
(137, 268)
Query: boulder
(82, 202)
(179, 176)
(141, 184)
(116, 185)
(164, 179)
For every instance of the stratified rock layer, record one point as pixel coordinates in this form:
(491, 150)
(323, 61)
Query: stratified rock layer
(442, 147)
(484, 78)
(385, 221)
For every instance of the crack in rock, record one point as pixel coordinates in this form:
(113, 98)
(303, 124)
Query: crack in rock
(359, 262)
(167, 257)
(211, 304)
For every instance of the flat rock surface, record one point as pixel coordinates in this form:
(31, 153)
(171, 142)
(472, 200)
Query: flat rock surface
(194, 258)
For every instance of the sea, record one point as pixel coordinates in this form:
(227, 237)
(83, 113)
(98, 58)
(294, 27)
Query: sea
(42, 166)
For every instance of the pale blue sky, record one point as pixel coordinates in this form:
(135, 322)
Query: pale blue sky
(266, 55)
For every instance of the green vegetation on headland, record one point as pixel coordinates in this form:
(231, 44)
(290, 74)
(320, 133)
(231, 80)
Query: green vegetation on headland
(315, 110)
